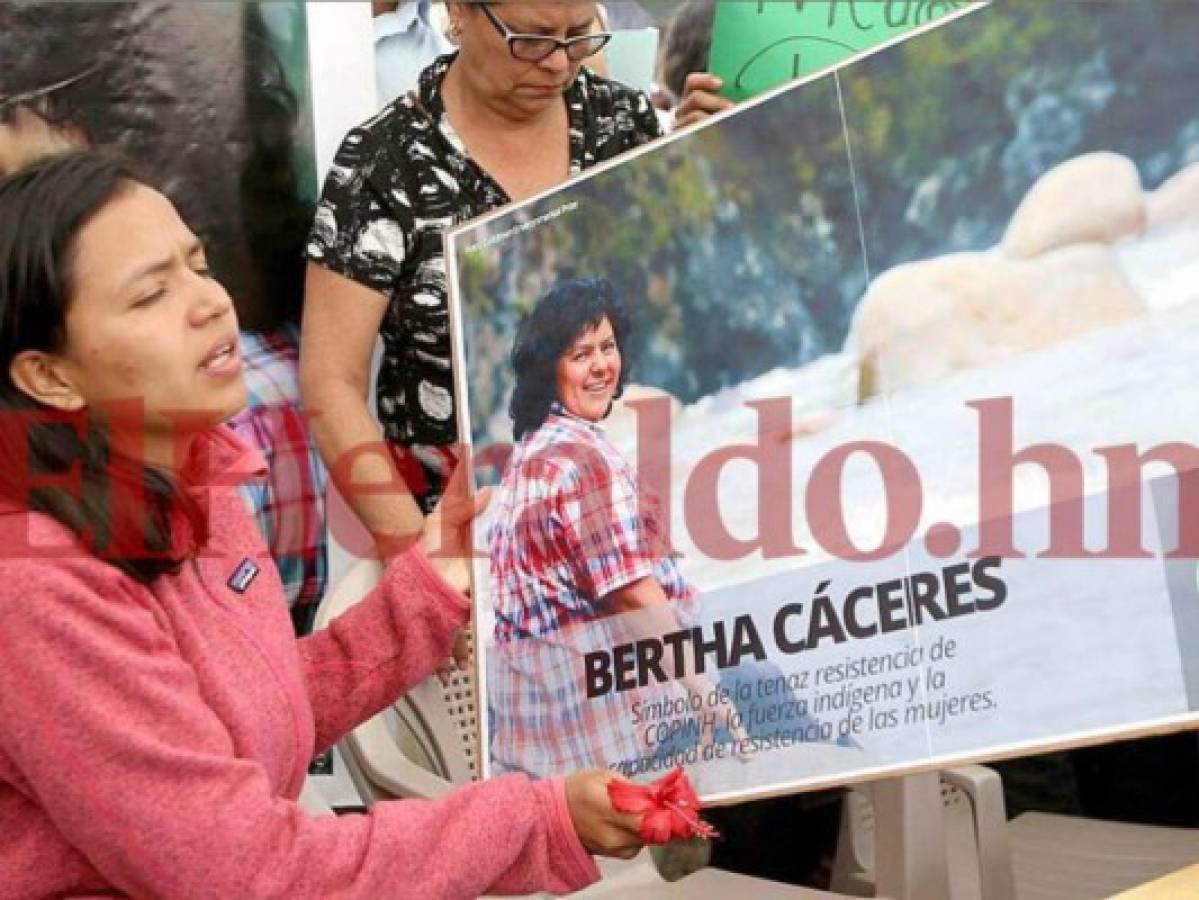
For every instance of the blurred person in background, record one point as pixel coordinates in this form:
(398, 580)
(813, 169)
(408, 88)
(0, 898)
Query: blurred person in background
(408, 36)
(686, 43)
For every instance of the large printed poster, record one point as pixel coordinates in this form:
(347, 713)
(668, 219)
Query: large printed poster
(852, 432)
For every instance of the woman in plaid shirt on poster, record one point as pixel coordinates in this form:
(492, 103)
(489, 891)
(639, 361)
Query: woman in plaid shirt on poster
(574, 542)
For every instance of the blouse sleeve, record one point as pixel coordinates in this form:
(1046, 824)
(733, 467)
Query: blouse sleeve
(646, 124)
(382, 647)
(362, 228)
(113, 739)
(636, 123)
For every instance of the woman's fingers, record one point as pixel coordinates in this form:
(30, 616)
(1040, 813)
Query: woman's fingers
(447, 528)
(736, 728)
(479, 502)
(462, 653)
(601, 828)
(700, 99)
(461, 656)
(703, 81)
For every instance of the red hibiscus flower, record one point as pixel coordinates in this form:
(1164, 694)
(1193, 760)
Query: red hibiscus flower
(669, 807)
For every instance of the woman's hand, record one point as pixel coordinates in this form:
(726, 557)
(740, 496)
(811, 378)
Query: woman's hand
(446, 541)
(601, 829)
(461, 656)
(446, 538)
(700, 100)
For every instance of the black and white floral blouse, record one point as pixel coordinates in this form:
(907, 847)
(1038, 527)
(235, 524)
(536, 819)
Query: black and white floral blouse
(397, 182)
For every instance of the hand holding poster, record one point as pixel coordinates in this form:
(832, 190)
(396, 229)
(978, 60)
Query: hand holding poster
(811, 542)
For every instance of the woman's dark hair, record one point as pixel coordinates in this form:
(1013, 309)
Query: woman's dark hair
(687, 43)
(119, 508)
(275, 215)
(570, 308)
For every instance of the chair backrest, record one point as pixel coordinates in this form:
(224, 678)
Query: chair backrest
(926, 836)
(427, 740)
(312, 801)
(876, 834)
(446, 717)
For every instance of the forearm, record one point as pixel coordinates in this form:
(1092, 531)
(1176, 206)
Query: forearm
(646, 614)
(138, 774)
(387, 643)
(503, 836)
(351, 445)
(178, 823)
(342, 319)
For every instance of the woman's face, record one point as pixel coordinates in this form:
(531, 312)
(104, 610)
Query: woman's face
(589, 372)
(148, 323)
(529, 87)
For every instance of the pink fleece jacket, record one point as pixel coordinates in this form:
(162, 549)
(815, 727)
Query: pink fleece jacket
(153, 740)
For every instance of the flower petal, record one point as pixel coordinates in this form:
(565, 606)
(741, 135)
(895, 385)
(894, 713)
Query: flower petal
(657, 827)
(627, 797)
(669, 807)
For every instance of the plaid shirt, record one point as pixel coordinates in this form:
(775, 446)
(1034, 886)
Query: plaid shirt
(570, 527)
(289, 503)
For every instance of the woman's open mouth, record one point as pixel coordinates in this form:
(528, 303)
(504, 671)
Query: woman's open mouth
(223, 360)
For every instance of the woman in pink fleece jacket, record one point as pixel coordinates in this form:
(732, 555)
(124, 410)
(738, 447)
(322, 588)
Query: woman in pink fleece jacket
(156, 714)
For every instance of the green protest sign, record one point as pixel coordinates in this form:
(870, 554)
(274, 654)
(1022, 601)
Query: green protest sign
(758, 44)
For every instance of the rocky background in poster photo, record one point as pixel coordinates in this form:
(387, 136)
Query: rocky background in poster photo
(951, 134)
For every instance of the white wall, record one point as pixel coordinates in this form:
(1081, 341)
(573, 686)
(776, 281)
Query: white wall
(341, 65)
(342, 68)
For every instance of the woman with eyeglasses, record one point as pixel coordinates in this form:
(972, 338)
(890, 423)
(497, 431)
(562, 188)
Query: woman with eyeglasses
(513, 112)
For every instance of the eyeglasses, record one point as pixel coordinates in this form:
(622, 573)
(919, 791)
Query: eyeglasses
(536, 47)
(43, 102)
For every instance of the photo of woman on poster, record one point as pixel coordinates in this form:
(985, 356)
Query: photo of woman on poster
(570, 541)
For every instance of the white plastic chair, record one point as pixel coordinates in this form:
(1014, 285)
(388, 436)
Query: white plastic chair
(424, 743)
(945, 838)
(1036, 856)
(427, 742)
(312, 801)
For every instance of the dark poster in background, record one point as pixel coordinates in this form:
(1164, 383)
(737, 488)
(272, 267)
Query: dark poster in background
(211, 101)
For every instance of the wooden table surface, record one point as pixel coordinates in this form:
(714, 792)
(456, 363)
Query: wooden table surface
(1176, 885)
